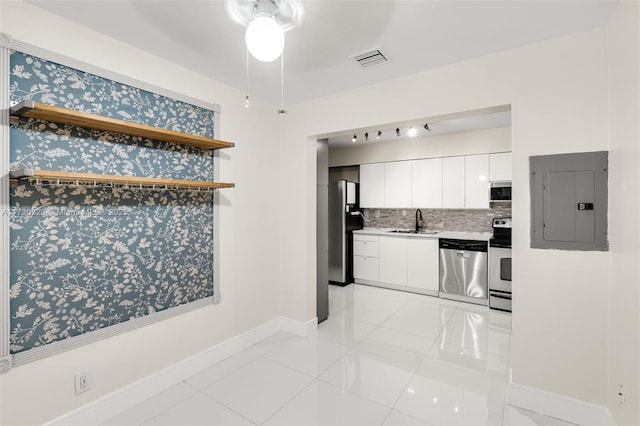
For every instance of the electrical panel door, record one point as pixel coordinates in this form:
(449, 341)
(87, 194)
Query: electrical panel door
(569, 201)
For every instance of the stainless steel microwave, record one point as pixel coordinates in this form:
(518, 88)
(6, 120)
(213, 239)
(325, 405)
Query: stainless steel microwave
(500, 192)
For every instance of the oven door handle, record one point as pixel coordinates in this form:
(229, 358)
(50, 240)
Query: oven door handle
(499, 296)
(505, 269)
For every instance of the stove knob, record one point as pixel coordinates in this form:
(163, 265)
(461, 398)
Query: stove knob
(503, 222)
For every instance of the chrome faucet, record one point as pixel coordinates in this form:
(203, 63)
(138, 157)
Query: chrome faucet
(418, 220)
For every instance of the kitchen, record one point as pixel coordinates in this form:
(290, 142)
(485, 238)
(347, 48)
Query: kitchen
(423, 223)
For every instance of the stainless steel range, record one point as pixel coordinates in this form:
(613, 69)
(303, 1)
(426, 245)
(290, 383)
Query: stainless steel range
(500, 265)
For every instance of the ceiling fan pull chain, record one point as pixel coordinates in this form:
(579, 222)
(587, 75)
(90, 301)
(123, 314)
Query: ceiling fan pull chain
(282, 110)
(247, 102)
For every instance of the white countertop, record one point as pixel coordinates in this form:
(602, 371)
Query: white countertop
(480, 236)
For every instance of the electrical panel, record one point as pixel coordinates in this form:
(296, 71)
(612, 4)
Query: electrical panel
(569, 201)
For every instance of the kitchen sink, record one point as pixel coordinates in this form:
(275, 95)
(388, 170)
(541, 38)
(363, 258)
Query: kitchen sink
(412, 231)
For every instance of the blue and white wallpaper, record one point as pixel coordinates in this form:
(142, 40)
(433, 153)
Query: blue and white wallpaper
(85, 258)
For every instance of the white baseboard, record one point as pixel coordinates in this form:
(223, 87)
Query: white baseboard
(559, 406)
(102, 409)
(299, 328)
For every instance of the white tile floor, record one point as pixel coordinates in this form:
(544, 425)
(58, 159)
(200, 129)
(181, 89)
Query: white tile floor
(382, 358)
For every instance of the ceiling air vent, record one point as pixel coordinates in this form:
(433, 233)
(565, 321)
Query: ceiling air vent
(371, 58)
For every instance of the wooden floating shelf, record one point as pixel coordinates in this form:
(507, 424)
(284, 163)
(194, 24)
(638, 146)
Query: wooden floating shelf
(31, 109)
(132, 182)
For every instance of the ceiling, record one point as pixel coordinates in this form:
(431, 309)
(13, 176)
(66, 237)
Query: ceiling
(417, 35)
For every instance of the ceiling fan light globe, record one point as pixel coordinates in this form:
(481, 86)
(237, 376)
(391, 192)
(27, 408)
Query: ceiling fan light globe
(264, 38)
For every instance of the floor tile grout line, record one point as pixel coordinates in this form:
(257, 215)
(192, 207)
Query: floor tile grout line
(305, 373)
(393, 407)
(353, 393)
(387, 416)
(288, 367)
(394, 312)
(158, 413)
(264, 358)
(275, 362)
(227, 373)
(229, 408)
(287, 402)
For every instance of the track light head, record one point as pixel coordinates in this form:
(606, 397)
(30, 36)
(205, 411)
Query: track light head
(379, 134)
(366, 137)
(354, 138)
(397, 131)
(412, 132)
(426, 127)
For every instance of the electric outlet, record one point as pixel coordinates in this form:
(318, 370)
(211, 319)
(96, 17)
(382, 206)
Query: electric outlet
(404, 213)
(621, 398)
(83, 381)
(377, 214)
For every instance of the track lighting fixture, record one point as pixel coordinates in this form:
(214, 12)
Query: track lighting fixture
(412, 132)
(354, 138)
(379, 134)
(366, 137)
(397, 131)
(426, 127)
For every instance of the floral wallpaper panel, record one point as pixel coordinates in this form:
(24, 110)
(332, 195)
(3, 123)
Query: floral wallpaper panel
(85, 258)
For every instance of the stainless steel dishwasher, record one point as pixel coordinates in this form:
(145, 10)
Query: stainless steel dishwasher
(463, 270)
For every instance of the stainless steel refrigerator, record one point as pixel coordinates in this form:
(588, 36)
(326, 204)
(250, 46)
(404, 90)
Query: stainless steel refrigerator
(343, 220)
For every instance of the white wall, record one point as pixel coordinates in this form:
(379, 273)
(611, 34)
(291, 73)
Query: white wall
(623, 45)
(476, 142)
(42, 390)
(558, 93)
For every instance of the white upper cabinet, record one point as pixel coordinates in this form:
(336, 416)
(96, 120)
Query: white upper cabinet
(453, 183)
(426, 183)
(476, 181)
(397, 184)
(500, 166)
(372, 185)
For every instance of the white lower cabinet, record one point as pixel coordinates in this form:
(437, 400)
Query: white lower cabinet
(365, 268)
(423, 263)
(393, 260)
(398, 262)
(365, 257)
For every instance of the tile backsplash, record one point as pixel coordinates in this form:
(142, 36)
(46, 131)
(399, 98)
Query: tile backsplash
(461, 220)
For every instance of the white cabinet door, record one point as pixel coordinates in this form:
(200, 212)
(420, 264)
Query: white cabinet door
(397, 184)
(365, 268)
(500, 166)
(365, 245)
(453, 182)
(372, 185)
(423, 263)
(393, 260)
(426, 183)
(476, 181)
